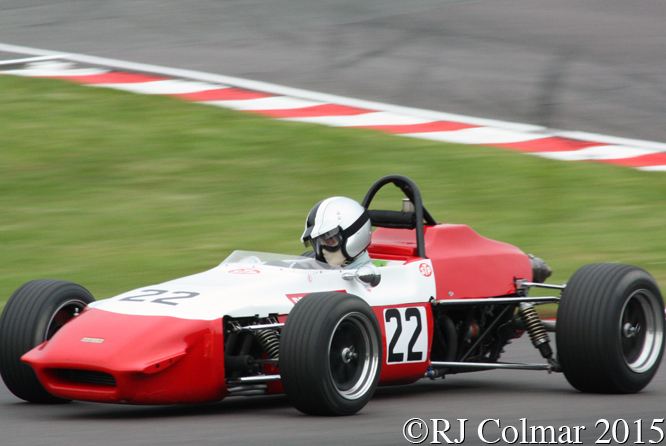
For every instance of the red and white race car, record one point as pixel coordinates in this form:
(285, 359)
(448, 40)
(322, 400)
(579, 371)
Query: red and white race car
(437, 299)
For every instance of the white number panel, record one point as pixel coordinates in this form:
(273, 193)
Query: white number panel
(406, 335)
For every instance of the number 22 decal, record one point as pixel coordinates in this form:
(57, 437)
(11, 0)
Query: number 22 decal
(173, 295)
(407, 334)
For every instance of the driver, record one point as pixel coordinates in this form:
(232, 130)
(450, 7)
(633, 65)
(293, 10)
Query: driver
(339, 230)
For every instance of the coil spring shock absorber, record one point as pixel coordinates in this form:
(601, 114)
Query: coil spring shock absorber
(536, 330)
(269, 341)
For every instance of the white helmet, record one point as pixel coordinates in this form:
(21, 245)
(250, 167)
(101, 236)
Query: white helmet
(338, 223)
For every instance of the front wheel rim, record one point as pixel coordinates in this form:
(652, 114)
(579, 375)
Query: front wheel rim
(353, 356)
(67, 311)
(641, 331)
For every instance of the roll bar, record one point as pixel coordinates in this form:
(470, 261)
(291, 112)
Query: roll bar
(395, 219)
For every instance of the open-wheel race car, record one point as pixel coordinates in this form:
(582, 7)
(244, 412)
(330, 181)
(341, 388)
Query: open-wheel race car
(437, 299)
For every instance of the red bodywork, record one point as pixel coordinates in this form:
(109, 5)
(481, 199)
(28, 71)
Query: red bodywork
(465, 264)
(133, 359)
(119, 358)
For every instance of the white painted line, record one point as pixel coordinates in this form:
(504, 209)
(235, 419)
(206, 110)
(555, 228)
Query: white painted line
(597, 153)
(54, 69)
(612, 140)
(652, 168)
(169, 86)
(272, 103)
(364, 119)
(29, 59)
(479, 135)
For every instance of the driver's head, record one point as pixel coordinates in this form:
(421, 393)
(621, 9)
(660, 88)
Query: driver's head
(338, 229)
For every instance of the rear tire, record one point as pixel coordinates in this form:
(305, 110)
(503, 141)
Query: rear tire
(610, 329)
(330, 354)
(33, 314)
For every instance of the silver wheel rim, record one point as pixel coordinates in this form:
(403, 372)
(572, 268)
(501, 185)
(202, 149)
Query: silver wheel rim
(641, 331)
(63, 314)
(353, 356)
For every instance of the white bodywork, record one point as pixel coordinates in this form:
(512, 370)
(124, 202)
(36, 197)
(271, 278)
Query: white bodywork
(246, 284)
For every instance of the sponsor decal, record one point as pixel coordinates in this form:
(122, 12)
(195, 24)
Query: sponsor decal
(93, 340)
(244, 271)
(425, 269)
(294, 298)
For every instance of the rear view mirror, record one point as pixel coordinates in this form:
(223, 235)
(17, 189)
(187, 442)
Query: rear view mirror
(368, 274)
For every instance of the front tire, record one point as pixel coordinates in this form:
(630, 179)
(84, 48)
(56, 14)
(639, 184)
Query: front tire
(610, 329)
(33, 314)
(330, 354)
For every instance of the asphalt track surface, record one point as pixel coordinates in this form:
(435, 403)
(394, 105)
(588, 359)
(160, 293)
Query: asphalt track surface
(507, 396)
(595, 66)
(590, 65)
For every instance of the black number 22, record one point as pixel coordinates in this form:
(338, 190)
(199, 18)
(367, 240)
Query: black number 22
(173, 295)
(394, 313)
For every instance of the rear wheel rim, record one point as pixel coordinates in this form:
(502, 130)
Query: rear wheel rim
(353, 356)
(641, 331)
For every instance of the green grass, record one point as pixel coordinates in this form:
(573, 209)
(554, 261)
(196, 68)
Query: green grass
(115, 191)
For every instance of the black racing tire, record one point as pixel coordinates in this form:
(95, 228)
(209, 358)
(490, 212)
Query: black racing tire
(330, 354)
(610, 329)
(32, 315)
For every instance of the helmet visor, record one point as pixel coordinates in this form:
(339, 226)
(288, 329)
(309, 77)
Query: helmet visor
(330, 241)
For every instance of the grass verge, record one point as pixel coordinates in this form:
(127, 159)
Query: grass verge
(115, 191)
